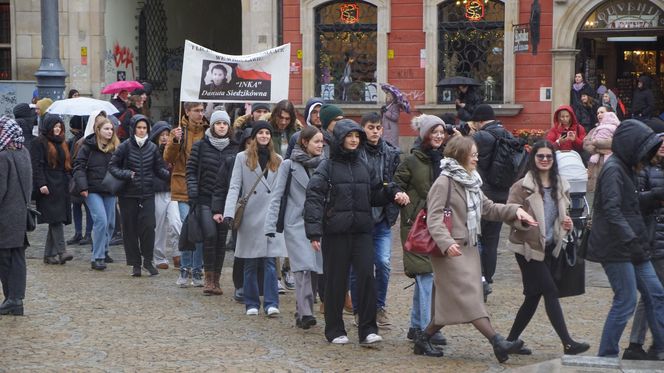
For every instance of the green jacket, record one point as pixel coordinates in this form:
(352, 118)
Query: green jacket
(414, 176)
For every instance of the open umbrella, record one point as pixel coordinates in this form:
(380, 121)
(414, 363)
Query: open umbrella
(399, 98)
(122, 85)
(81, 106)
(455, 81)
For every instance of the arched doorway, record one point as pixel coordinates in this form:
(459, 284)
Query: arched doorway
(574, 41)
(619, 41)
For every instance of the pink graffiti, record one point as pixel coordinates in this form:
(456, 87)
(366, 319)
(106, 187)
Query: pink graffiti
(414, 95)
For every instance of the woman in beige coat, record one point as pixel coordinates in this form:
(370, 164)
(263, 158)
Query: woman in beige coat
(544, 195)
(458, 295)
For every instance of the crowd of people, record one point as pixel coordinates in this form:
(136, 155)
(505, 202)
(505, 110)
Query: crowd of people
(309, 206)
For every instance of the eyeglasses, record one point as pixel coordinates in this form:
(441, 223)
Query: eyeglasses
(542, 157)
(475, 155)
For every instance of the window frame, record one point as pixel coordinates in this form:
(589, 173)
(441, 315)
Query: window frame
(10, 45)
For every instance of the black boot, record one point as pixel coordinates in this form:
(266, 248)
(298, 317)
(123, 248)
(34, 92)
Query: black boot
(12, 306)
(423, 345)
(576, 348)
(77, 237)
(136, 271)
(502, 347)
(150, 268)
(86, 240)
(108, 259)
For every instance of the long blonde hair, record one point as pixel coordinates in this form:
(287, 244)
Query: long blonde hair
(113, 143)
(252, 156)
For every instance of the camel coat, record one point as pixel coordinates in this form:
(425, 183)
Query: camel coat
(458, 280)
(177, 153)
(601, 147)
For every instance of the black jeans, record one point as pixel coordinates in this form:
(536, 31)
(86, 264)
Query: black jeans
(489, 248)
(12, 272)
(138, 223)
(339, 253)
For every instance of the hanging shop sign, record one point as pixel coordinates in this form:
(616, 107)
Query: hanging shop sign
(625, 14)
(350, 13)
(474, 10)
(210, 76)
(521, 37)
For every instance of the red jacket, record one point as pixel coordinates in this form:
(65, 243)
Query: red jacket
(554, 133)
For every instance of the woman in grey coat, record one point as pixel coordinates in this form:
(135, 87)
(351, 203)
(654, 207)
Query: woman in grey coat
(16, 173)
(304, 261)
(257, 165)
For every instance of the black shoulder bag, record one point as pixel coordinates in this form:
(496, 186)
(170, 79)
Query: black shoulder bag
(284, 202)
(31, 222)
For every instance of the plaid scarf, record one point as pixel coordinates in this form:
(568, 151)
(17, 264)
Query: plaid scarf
(471, 183)
(11, 134)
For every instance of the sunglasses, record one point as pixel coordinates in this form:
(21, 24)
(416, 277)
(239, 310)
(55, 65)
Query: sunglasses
(542, 157)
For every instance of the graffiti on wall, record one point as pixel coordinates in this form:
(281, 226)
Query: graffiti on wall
(414, 95)
(119, 62)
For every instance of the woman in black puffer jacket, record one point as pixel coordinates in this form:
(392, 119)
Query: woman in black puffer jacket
(337, 211)
(203, 167)
(651, 189)
(139, 162)
(90, 167)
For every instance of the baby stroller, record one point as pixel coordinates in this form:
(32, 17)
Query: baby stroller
(571, 168)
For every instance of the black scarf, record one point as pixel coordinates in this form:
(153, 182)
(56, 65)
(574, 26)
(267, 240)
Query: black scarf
(436, 155)
(263, 156)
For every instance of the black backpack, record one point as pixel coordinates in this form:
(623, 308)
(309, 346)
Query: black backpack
(508, 162)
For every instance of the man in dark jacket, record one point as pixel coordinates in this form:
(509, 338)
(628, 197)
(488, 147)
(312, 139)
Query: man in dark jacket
(485, 138)
(383, 158)
(643, 102)
(338, 212)
(26, 118)
(619, 238)
(311, 117)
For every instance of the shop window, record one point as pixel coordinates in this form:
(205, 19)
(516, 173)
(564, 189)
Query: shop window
(5, 42)
(346, 51)
(152, 44)
(471, 44)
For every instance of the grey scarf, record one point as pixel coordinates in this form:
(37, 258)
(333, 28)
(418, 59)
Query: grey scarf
(219, 143)
(471, 183)
(300, 156)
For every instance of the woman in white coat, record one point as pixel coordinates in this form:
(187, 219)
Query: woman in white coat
(292, 180)
(257, 165)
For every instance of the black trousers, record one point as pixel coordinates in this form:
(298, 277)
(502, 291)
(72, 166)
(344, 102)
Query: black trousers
(339, 253)
(214, 250)
(489, 254)
(138, 224)
(12, 272)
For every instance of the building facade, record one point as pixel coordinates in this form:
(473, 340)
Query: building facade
(524, 53)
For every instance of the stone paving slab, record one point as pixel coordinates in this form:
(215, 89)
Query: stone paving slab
(79, 320)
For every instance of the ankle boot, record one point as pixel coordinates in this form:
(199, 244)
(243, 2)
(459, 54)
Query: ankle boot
(502, 347)
(208, 288)
(64, 257)
(75, 239)
(12, 306)
(423, 345)
(215, 282)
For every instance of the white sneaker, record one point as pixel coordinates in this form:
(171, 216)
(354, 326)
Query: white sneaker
(372, 338)
(340, 340)
(183, 279)
(272, 311)
(252, 312)
(282, 290)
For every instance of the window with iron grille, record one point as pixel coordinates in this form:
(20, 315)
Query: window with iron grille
(346, 64)
(152, 44)
(470, 43)
(5, 42)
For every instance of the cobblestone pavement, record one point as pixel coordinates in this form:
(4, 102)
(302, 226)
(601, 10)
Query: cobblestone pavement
(78, 320)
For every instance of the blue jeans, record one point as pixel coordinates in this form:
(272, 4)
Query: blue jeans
(77, 216)
(270, 287)
(625, 278)
(190, 259)
(102, 209)
(420, 314)
(382, 239)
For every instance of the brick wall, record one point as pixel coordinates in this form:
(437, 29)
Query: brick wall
(291, 25)
(533, 72)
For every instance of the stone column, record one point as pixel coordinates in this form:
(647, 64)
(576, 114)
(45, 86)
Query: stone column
(50, 75)
(563, 74)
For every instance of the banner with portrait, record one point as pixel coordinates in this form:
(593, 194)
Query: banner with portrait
(208, 76)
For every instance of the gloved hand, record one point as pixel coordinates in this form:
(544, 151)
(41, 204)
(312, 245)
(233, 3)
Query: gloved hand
(229, 222)
(271, 235)
(658, 193)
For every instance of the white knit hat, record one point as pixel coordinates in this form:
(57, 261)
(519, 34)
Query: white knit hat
(425, 122)
(220, 115)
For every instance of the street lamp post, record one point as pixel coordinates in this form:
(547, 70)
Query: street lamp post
(50, 75)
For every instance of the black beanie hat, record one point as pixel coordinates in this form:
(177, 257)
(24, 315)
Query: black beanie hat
(483, 113)
(259, 125)
(260, 105)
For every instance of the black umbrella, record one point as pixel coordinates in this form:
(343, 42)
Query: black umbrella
(456, 81)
